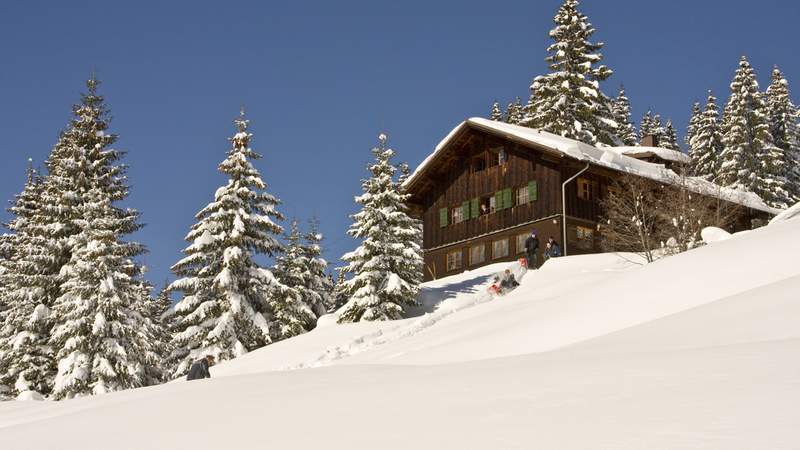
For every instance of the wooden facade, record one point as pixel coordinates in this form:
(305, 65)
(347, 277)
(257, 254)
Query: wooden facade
(485, 191)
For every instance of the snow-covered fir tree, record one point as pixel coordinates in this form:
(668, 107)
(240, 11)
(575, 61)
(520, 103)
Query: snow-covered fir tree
(340, 296)
(622, 115)
(158, 311)
(514, 112)
(292, 271)
(750, 160)
(227, 308)
(694, 120)
(320, 285)
(669, 137)
(705, 146)
(568, 101)
(783, 115)
(657, 129)
(496, 114)
(26, 360)
(387, 266)
(646, 126)
(100, 341)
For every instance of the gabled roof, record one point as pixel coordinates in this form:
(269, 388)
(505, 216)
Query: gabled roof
(607, 157)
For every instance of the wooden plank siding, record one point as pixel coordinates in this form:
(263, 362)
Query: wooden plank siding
(460, 184)
(451, 181)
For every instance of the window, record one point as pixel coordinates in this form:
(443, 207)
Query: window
(485, 205)
(521, 238)
(502, 156)
(522, 196)
(479, 163)
(586, 188)
(612, 191)
(477, 254)
(584, 238)
(492, 203)
(458, 214)
(500, 248)
(454, 260)
(494, 157)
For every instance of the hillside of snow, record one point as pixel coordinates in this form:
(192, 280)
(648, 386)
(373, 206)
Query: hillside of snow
(695, 351)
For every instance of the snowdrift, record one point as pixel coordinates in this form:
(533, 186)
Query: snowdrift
(698, 350)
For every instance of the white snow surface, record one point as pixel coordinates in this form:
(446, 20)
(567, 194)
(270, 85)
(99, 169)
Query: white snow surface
(609, 157)
(694, 351)
(663, 153)
(790, 213)
(714, 234)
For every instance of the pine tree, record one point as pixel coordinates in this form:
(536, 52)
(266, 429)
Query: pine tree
(706, 143)
(496, 113)
(387, 266)
(568, 100)
(158, 312)
(694, 120)
(340, 296)
(296, 310)
(227, 298)
(26, 360)
(670, 137)
(320, 286)
(514, 114)
(750, 160)
(646, 126)
(783, 116)
(657, 129)
(101, 343)
(622, 115)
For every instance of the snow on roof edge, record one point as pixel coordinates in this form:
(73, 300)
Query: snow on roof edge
(663, 153)
(607, 157)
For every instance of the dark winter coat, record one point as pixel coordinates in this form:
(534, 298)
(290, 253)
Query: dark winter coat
(553, 251)
(531, 244)
(198, 371)
(509, 282)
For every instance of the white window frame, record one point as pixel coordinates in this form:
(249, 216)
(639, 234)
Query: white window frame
(472, 259)
(458, 214)
(456, 262)
(495, 253)
(521, 238)
(523, 196)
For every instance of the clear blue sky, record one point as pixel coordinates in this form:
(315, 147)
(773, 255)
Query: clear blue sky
(322, 79)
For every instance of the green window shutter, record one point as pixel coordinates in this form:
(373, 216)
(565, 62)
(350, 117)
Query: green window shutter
(533, 191)
(443, 215)
(475, 208)
(465, 209)
(508, 195)
(498, 200)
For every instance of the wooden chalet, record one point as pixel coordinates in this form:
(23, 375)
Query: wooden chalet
(488, 184)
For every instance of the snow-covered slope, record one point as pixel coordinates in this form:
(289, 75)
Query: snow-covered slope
(697, 351)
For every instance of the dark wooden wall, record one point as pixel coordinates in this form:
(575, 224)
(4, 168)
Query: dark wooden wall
(523, 165)
(453, 183)
(578, 207)
(436, 260)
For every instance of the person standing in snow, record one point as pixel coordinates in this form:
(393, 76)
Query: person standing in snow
(531, 247)
(551, 250)
(199, 369)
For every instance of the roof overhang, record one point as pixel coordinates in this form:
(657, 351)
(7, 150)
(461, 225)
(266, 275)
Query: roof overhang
(603, 157)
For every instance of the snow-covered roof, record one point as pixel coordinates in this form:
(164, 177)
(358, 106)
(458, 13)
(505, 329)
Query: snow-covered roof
(608, 157)
(662, 153)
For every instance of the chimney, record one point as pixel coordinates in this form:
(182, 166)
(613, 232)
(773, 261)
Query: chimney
(649, 141)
